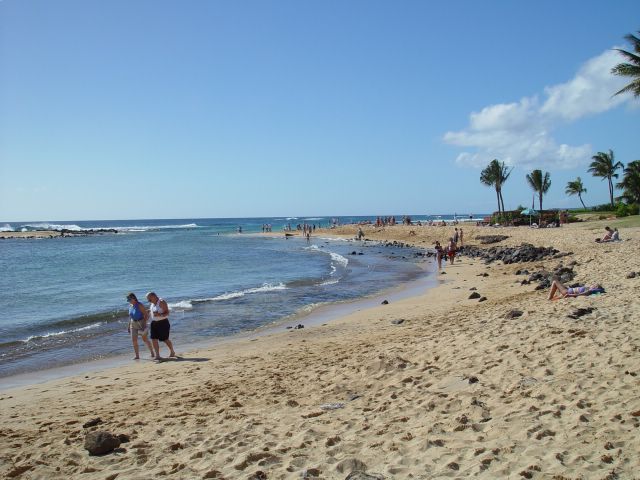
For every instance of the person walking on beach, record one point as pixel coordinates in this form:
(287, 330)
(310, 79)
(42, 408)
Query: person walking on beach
(461, 237)
(451, 250)
(160, 325)
(439, 254)
(138, 319)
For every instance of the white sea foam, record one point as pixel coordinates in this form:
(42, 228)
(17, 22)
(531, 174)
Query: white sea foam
(146, 228)
(267, 287)
(336, 257)
(329, 282)
(62, 332)
(182, 305)
(51, 226)
(292, 218)
(314, 218)
(123, 228)
(6, 228)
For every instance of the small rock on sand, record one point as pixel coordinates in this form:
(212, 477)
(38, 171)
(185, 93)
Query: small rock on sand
(385, 302)
(351, 465)
(101, 442)
(360, 475)
(474, 295)
(92, 423)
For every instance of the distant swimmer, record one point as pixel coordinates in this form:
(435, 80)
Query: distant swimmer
(160, 326)
(138, 323)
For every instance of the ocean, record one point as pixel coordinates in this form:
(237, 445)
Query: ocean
(63, 299)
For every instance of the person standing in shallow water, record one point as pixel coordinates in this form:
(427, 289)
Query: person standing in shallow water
(138, 321)
(160, 326)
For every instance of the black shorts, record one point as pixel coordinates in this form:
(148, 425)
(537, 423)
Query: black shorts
(160, 330)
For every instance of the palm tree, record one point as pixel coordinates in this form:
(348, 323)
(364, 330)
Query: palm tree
(605, 166)
(539, 183)
(576, 188)
(631, 68)
(630, 183)
(494, 175)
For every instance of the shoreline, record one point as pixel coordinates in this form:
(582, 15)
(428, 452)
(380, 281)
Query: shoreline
(322, 313)
(436, 385)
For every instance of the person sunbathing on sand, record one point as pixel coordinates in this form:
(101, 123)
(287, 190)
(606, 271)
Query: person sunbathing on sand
(558, 286)
(607, 236)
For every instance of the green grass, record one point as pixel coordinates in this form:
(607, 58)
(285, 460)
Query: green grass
(619, 223)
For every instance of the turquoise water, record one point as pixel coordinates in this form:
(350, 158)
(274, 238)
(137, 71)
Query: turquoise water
(63, 299)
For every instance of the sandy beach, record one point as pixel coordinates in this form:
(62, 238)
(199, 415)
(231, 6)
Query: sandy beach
(436, 385)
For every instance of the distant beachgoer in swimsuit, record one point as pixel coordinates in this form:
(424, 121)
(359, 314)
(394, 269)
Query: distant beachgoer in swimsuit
(461, 237)
(439, 254)
(451, 250)
(138, 319)
(160, 326)
(611, 236)
(564, 291)
(607, 236)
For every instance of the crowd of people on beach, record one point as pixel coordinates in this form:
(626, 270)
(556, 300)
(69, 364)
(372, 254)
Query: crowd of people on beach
(149, 323)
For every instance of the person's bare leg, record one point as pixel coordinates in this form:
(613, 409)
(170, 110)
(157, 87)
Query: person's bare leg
(156, 348)
(557, 286)
(146, 341)
(170, 345)
(134, 340)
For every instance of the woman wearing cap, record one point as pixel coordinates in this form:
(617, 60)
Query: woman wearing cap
(138, 317)
(160, 326)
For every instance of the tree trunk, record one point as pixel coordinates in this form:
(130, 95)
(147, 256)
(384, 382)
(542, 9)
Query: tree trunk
(502, 200)
(498, 195)
(611, 191)
(540, 193)
(581, 201)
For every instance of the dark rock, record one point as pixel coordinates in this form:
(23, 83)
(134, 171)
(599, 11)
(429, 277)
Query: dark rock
(92, 423)
(488, 239)
(631, 275)
(474, 295)
(524, 253)
(100, 442)
(385, 302)
(443, 272)
(354, 253)
(580, 312)
(525, 282)
(259, 475)
(514, 314)
(360, 475)
(311, 473)
(473, 289)
(298, 327)
(482, 299)
(351, 465)
(473, 379)
(398, 321)
(124, 438)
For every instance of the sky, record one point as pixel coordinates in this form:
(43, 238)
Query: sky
(168, 109)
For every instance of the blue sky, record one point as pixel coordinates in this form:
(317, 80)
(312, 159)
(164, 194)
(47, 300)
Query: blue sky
(166, 109)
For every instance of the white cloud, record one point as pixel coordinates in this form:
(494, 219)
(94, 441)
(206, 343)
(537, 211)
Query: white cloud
(520, 133)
